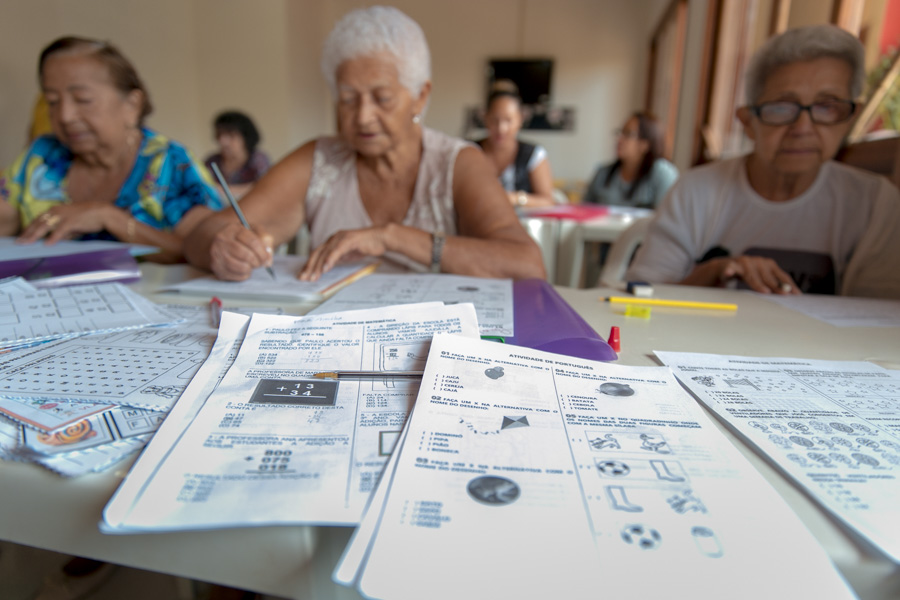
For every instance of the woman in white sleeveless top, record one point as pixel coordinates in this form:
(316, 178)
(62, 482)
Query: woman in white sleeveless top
(385, 186)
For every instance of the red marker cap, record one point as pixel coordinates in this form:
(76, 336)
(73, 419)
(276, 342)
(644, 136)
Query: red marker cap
(614, 341)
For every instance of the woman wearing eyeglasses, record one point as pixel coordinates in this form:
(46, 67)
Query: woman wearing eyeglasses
(785, 219)
(640, 176)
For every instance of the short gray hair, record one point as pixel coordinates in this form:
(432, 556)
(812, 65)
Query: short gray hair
(367, 31)
(802, 44)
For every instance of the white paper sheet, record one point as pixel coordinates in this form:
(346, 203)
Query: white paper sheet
(228, 342)
(843, 311)
(493, 298)
(530, 475)
(273, 445)
(27, 317)
(284, 288)
(143, 368)
(832, 426)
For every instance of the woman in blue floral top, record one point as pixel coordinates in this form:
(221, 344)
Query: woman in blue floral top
(102, 175)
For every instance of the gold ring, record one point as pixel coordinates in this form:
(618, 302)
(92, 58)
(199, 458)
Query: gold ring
(50, 221)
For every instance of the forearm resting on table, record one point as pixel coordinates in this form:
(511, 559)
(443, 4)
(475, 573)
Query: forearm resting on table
(497, 257)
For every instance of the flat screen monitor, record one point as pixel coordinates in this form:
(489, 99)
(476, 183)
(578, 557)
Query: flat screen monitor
(532, 76)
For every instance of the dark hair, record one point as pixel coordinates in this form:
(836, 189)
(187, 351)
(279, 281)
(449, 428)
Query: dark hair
(233, 121)
(121, 71)
(650, 131)
(503, 88)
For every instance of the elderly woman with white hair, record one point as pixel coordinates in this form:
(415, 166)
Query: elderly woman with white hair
(785, 219)
(385, 185)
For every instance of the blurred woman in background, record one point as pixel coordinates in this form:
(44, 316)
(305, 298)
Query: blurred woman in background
(239, 158)
(640, 176)
(523, 168)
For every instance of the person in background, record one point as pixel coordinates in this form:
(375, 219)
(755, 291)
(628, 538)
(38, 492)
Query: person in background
(640, 176)
(785, 218)
(102, 174)
(239, 158)
(385, 186)
(523, 168)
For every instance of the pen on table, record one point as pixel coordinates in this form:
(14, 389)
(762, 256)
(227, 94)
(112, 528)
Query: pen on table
(675, 303)
(215, 311)
(234, 204)
(366, 374)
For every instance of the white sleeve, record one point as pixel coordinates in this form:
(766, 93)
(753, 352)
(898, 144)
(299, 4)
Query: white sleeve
(873, 270)
(539, 154)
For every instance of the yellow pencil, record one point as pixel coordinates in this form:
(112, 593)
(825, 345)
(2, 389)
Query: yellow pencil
(676, 303)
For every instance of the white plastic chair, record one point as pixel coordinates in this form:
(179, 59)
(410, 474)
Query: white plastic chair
(622, 251)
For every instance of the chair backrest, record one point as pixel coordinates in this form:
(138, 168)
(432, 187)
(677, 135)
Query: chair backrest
(622, 251)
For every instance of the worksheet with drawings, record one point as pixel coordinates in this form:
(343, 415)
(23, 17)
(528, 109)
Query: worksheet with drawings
(834, 427)
(556, 477)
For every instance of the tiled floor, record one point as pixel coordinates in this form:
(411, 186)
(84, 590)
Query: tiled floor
(23, 569)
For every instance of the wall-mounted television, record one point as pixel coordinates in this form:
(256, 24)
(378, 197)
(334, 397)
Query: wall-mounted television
(532, 76)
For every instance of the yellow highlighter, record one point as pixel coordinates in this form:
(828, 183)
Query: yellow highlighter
(675, 303)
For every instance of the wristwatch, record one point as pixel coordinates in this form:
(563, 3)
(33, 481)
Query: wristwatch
(437, 250)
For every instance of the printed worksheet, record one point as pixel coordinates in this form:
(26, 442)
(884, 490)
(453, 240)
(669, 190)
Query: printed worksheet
(274, 444)
(143, 368)
(231, 333)
(285, 287)
(843, 311)
(28, 317)
(493, 298)
(526, 474)
(832, 426)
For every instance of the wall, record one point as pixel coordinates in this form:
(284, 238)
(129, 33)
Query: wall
(198, 57)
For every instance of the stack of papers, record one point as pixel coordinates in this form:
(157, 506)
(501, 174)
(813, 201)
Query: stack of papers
(525, 474)
(30, 316)
(79, 404)
(833, 427)
(273, 444)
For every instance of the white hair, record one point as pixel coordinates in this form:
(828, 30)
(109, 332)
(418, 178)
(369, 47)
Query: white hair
(802, 44)
(368, 31)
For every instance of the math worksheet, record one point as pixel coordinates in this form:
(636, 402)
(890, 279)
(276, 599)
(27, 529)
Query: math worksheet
(493, 298)
(832, 426)
(274, 444)
(526, 474)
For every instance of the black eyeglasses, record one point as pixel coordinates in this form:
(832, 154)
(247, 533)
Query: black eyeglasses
(783, 112)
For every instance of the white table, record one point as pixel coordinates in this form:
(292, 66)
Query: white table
(42, 510)
(563, 241)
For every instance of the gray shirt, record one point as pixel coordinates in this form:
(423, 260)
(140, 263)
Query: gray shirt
(647, 195)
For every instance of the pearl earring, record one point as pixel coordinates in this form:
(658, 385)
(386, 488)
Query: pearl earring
(417, 118)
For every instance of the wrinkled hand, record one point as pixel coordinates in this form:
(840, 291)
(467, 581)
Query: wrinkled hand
(67, 221)
(761, 274)
(236, 251)
(352, 244)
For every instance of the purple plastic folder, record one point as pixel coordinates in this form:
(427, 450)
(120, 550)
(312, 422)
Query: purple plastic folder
(544, 321)
(101, 266)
